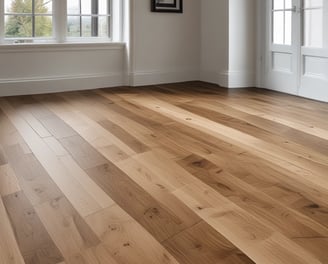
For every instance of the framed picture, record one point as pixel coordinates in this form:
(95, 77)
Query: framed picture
(171, 6)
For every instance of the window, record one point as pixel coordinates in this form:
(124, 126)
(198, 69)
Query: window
(28, 18)
(88, 18)
(282, 22)
(315, 23)
(59, 20)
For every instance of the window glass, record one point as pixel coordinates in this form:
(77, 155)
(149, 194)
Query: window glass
(88, 18)
(315, 23)
(22, 21)
(282, 22)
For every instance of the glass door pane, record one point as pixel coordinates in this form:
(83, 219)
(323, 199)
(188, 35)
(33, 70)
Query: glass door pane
(315, 23)
(282, 22)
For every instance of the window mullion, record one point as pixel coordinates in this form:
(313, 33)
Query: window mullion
(2, 21)
(80, 2)
(94, 19)
(33, 18)
(60, 19)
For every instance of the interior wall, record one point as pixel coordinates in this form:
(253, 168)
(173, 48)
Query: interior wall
(166, 46)
(211, 41)
(31, 69)
(242, 43)
(215, 41)
(228, 42)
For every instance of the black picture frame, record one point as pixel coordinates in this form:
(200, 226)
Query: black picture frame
(175, 7)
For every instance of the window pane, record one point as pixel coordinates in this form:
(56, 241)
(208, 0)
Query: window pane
(43, 26)
(278, 27)
(14, 6)
(288, 4)
(43, 6)
(103, 26)
(86, 7)
(73, 7)
(313, 28)
(73, 26)
(18, 26)
(86, 26)
(278, 4)
(288, 28)
(313, 3)
(103, 7)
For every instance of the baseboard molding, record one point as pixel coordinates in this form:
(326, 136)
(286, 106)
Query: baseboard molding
(24, 86)
(219, 78)
(229, 79)
(241, 79)
(141, 78)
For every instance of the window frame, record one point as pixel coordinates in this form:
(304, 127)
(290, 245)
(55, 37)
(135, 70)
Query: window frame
(59, 24)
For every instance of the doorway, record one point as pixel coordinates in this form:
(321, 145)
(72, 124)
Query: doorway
(297, 47)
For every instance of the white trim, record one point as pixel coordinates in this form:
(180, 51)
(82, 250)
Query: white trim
(2, 21)
(237, 79)
(53, 47)
(51, 84)
(141, 78)
(210, 76)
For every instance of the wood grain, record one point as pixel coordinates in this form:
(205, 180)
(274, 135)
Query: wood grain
(179, 173)
(34, 241)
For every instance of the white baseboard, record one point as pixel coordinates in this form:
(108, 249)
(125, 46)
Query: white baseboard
(241, 79)
(229, 79)
(141, 78)
(23, 86)
(218, 78)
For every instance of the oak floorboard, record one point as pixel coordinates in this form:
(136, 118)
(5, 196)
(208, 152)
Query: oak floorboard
(202, 244)
(34, 241)
(9, 250)
(8, 181)
(184, 173)
(126, 239)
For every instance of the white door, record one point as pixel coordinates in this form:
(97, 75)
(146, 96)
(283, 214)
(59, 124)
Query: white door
(297, 55)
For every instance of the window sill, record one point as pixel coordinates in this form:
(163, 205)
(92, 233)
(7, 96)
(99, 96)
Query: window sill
(67, 46)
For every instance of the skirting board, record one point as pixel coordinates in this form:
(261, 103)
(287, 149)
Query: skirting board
(141, 78)
(230, 79)
(218, 78)
(59, 84)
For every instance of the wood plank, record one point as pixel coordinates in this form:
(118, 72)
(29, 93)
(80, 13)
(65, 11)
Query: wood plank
(34, 242)
(192, 246)
(32, 177)
(292, 224)
(55, 146)
(66, 227)
(150, 213)
(86, 156)
(8, 181)
(95, 255)
(78, 196)
(160, 188)
(127, 240)
(128, 139)
(3, 159)
(9, 251)
(184, 173)
(242, 229)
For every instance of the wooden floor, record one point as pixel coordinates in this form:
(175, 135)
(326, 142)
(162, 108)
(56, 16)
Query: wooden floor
(183, 173)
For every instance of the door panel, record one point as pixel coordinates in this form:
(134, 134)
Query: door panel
(298, 47)
(282, 68)
(314, 52)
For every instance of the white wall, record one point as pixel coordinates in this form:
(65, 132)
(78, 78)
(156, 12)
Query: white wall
(215, 41)
(30, 69)
(198, 44)
(242, 43)
(228, 50)
(165, 46)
